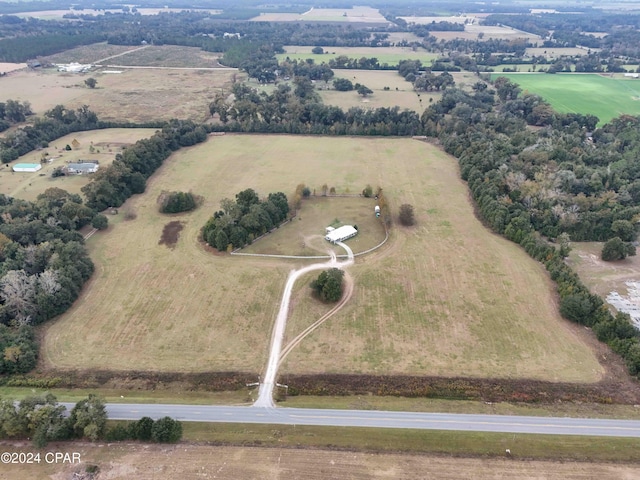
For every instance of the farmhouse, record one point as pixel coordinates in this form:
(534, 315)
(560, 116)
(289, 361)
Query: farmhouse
(26, 167)
(82, 167)
(341, 234)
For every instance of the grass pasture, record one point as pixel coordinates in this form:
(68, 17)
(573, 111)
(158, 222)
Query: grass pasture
(400, 91)
(389, 55)
(139, 95)
(604, 97)
(443, 298)
(107, 144)
(356, 14)
(172, 56)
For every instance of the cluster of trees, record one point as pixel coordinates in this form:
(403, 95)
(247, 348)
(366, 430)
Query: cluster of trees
(176, 202)
(616, 249)
(56, 123)
(328, 285)
(241, 221)
(407, 216)
(128, 173)
(43, 420)
(13, 111)
(555, 182)
(163, 430)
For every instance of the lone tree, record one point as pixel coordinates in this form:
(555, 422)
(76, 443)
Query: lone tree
(406, 215)
(328, 285)
(363, 90)
(91, 82)
(616, 249)
(317, 50)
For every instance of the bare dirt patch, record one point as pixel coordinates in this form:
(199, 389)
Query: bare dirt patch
(146, 462)
(171, 234)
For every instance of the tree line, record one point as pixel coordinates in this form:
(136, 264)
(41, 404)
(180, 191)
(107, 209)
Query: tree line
(42, 419)
(299, 110)
(127, 175)
(242, 220)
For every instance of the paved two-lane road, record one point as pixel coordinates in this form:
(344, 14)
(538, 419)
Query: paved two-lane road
(379, 419)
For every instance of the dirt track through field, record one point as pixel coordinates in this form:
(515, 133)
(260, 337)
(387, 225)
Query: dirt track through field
(265, 396)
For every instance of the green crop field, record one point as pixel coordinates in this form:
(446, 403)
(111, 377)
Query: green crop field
(604, 97)
(445, 297)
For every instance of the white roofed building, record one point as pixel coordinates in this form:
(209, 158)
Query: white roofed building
(341, 234)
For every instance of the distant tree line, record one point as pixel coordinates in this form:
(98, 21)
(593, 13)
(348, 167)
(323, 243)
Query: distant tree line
(241, 221)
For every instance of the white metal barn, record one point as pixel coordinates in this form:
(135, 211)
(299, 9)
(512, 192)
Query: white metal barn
(26, 167)
(341, 234)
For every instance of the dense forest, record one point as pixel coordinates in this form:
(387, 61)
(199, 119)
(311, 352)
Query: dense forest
(43, 266)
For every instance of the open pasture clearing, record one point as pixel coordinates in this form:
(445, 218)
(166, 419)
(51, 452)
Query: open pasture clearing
(486, 32)
(443, 298)
(604, 97)
(107, 144)
(136, 95)
(400, 92)
(356, 14)
(388, 55)
(89, 53)
(602, 277)
(166, 56)
(303, 236)
(552, 53)
(127, 460)
(10, 67)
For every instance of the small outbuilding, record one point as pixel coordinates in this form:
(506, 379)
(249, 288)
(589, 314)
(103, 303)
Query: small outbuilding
(27, 167)
(341, 234)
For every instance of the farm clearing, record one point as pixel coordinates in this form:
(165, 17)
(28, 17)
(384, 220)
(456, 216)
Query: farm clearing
(603, 96)
(106, 144)
(389, 55)
(443, 298)
(135, 94)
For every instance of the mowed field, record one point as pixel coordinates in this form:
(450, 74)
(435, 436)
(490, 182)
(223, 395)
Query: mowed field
(389, 55)
(443, 298)
(144, 462)
(604, 97)
(107, 144)
(357, 14)
(136, 95)
(400, 92)
(173, 56)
